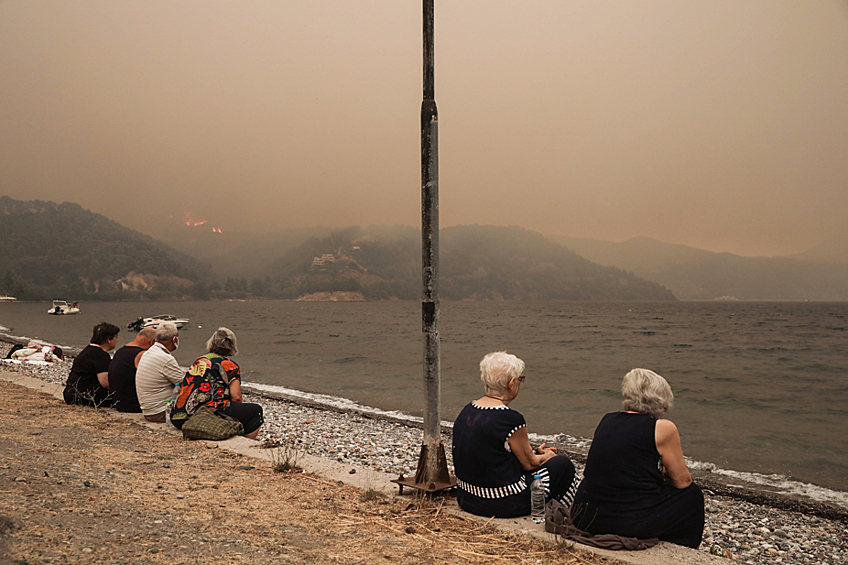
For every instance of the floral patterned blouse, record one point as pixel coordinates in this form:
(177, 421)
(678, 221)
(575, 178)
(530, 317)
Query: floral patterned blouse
(206, 383)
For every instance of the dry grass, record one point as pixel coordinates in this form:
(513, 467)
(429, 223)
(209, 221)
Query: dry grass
(447, 537)
(285, 457)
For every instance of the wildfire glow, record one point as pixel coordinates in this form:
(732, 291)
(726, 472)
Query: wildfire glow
(189, 221)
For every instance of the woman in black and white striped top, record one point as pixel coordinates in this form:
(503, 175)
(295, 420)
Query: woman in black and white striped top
(492, 455)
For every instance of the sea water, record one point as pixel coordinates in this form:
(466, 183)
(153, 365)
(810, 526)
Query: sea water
(759, 387)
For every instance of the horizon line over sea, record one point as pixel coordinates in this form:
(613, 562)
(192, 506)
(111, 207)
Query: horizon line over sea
(757, 385)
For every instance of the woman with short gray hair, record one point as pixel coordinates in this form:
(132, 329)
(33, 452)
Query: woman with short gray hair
(492, 455)
(636, 483)
(222, 342)
(646, 392)
(214, 381)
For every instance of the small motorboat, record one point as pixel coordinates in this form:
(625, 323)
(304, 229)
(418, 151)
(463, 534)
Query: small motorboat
(154, 321)
(61, 308)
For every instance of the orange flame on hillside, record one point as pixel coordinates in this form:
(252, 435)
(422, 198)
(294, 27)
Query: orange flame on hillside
(189, 221)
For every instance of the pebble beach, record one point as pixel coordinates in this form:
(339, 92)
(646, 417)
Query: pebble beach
(735, 528)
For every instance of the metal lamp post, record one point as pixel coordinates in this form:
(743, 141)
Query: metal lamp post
(432, 473)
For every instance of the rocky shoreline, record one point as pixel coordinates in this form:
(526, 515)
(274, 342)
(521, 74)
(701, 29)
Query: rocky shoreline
(744, 525)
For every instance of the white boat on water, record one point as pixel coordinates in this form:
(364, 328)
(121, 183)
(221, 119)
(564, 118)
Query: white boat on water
(7, 299)
(154, 321)
(62, 308)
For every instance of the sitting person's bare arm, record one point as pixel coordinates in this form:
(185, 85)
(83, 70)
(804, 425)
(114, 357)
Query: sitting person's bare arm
(235, 390)
(103, 379)
(668, 444)
(519, 443)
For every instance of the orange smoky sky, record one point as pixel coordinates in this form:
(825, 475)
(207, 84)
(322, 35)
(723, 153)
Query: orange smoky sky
(722, 124)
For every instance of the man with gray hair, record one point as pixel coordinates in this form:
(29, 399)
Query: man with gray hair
(158, 372)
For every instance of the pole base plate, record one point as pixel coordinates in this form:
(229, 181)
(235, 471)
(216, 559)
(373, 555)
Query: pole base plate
(440, 479)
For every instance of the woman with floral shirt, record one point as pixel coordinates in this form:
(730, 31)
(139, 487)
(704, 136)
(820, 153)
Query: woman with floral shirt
(214, 381)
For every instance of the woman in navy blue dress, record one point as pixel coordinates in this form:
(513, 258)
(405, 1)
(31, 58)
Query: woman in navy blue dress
(636, 483)
(492, 455)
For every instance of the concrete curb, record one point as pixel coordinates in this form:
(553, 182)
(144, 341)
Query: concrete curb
(360, 478)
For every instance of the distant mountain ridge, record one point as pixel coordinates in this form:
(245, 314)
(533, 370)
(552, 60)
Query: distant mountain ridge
(833, 250)
(50, 250)
(477, 263)
(695, 274)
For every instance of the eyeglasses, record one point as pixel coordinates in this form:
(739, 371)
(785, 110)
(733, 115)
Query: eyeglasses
(521, 379)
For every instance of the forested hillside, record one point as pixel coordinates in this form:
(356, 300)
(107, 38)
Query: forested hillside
(50, 250)
(477, 263)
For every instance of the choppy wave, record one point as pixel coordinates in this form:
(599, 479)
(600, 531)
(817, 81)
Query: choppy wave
(575, 443)
(775, 483)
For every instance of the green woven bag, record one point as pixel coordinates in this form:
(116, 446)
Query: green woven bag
(206, 424)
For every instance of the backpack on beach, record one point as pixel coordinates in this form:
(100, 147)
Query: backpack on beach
(206, 424)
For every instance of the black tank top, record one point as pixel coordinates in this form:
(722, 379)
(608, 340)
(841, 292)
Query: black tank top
(122, 379)
(623, 467)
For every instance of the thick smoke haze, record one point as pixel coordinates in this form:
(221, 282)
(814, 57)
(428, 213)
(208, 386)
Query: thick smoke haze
(721, 125)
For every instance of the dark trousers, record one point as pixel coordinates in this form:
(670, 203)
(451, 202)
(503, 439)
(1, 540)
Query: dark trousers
(677, 517)
(249, 414)
(558, 476)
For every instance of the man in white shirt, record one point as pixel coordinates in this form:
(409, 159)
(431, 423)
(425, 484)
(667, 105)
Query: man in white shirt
(158, 372)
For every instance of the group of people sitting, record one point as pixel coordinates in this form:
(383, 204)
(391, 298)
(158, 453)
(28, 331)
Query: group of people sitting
(635, 482)
(144, 376)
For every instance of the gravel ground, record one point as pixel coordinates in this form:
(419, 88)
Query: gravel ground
(750, 533)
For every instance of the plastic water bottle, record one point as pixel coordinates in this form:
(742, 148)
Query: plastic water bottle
(537, 500)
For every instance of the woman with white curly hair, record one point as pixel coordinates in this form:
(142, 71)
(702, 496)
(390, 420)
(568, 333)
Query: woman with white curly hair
(215, 381)
(636, 483)
(492, 455)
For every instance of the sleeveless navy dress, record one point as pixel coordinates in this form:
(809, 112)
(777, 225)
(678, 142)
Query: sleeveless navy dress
(623, 491)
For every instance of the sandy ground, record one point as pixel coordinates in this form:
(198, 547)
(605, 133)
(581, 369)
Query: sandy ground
(85, 486)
